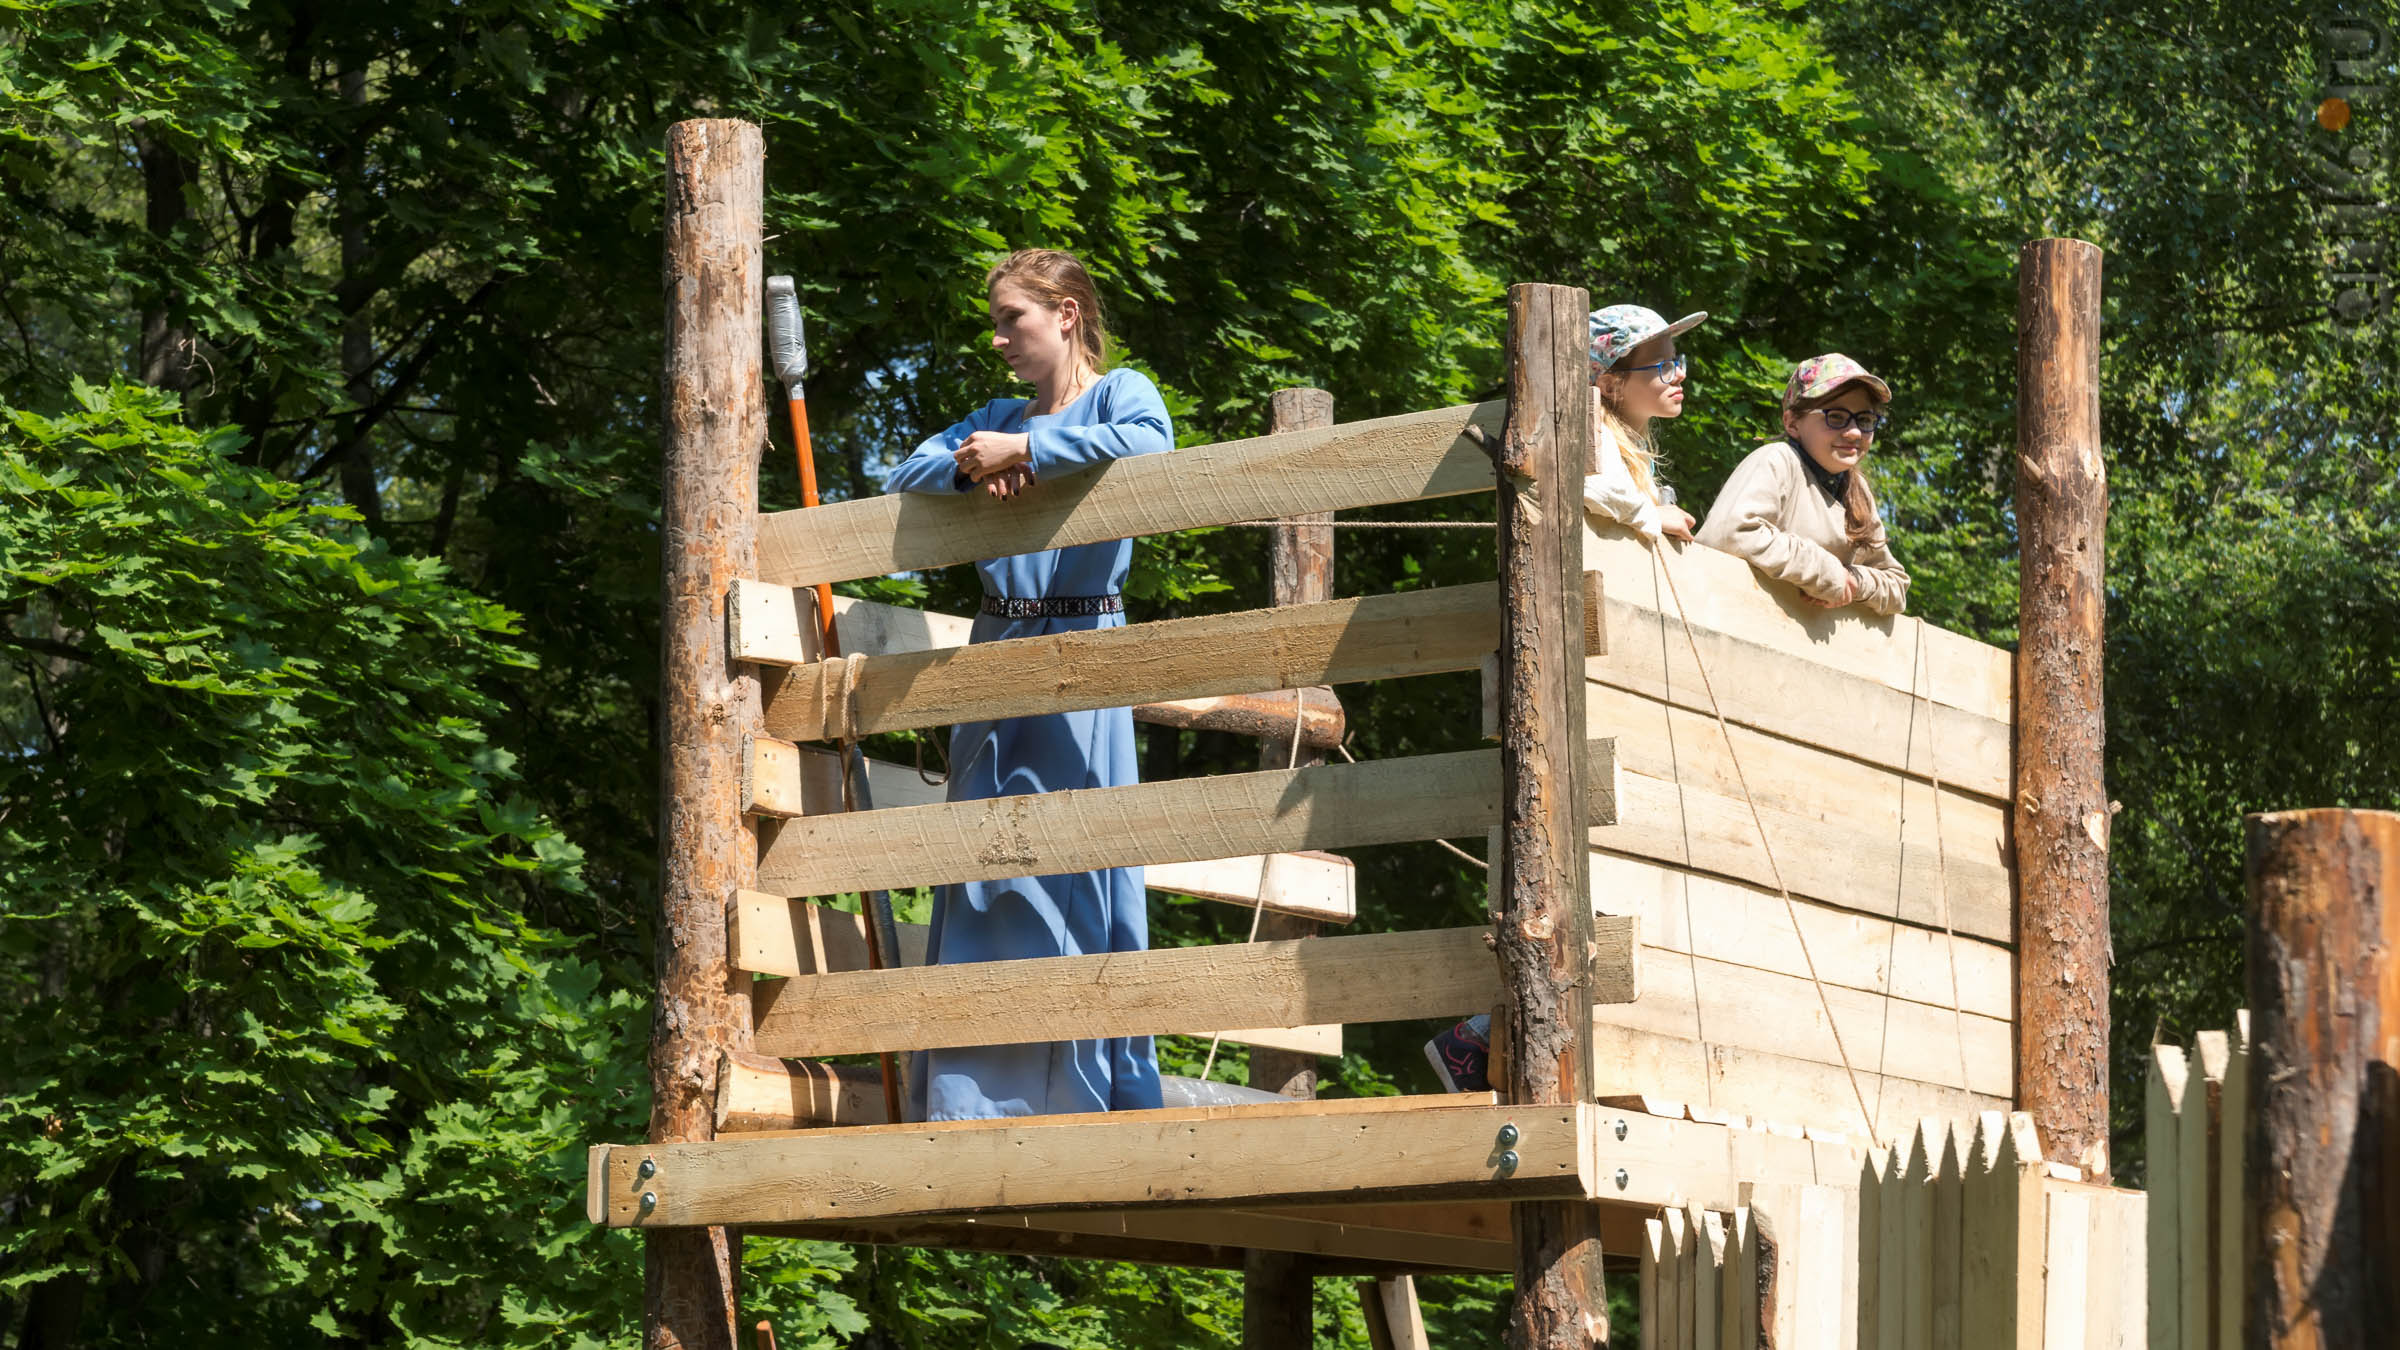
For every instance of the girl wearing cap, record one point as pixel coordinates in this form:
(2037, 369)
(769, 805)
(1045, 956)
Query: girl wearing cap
(1800, 510)
(1636, 376)
(1046, 325)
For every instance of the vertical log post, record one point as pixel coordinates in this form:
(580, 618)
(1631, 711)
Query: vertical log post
(2061, 812)
(716, 422)
(2323, 1134)
(1278, 1295)
(1544, 912)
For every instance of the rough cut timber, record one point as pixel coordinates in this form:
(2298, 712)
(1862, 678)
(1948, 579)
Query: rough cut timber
(1252, 652)
(1316, 885)
(776, 936)
(1453, 796)
(1367, 977)
(755, 1092)
(2062, 811)
(715, 420)
(1543, 922)
(1391, 459)
(2323, 1199)
(1227, 1156)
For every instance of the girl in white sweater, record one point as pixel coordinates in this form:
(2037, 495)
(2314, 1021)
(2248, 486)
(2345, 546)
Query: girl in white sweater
(1800, 510)
(1637, 376)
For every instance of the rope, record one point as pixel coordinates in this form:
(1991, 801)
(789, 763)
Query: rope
(1258, 908)
(1790, 909)
(1941, 851)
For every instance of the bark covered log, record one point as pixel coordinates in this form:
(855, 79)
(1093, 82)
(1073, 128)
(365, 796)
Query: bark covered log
(2322, 1178)
(716, 423)
(1544, 918)
(1278, 1294)
(2061, 812)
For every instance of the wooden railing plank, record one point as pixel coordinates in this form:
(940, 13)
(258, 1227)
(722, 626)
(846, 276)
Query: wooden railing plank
(1452, 796)
(1389, 459)
(1253, 1155)
(1368, 977)
(1258, 651)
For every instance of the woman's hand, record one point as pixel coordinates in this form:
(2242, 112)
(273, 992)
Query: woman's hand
(986, 453)
(1678, 524)
(1849, 591)
(1008, 482)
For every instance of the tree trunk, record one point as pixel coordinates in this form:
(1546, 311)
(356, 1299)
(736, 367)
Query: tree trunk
(716, 423)
(1544, 912)
(2061, 812)
(167, 348)
(2322, 1179)
(1278, 1295)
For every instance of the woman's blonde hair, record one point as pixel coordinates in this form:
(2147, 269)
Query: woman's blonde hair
(1054, 276)
(1639, 449)
(1860, 520)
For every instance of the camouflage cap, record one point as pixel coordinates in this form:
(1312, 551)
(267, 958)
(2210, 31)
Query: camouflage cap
(1821, 375)
(1619, 329)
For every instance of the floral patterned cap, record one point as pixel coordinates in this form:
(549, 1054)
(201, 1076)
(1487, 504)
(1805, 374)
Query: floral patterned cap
(1619, 329)
(1821, 375)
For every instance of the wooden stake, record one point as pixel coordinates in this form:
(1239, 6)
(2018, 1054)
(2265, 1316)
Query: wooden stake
(2323, 1190)
(2061, 809)
(1278, 1296)
(716, 422)
(1544, 930)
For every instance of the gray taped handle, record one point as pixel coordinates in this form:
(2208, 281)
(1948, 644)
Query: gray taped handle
(787, 343)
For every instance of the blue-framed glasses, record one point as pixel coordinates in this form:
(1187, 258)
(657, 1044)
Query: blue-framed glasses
(1667, 369)
(1842, 419)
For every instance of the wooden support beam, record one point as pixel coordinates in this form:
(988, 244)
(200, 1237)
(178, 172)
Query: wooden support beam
(776, 936)
(776, 626)
(1452, 796)
(1394, 1322)
(1367, 977)
(715, 421)
(1170, 665)
(2062, 808)
(1278, 1296)
(2323, 1087)
(756, 1092)
(1308, 883)
(1544, 924)
(1232, 1157)
(1390, 459)
(1010, 1235)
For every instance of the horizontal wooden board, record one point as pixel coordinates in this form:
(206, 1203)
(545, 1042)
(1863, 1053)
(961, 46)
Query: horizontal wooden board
(1371, 637)
(1328, 806)
(772, 935)
(1717, 1003)
(1389, 459)
(1666, 1161)
(1814, 703)
(1723, 594)
(756, 1092)
(1770, 1088)
(1246, 1155)
(1667, 742)
(1846, 868)
(1366, 977)
(1746, 925)
(1306, 883)
(1299, 1231)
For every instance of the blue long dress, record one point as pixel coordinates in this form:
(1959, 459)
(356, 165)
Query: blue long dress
(1071, 914)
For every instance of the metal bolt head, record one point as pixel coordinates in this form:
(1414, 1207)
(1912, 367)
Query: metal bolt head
(649, 1201)
(649, 1167)
(1509, 1135)
(1508, 1163)
(1624, 1179)
(1621, 1129)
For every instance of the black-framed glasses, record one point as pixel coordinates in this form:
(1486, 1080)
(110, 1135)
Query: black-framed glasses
(1673, 365)
(1842, 419)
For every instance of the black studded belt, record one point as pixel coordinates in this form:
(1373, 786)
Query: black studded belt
(1053, 606)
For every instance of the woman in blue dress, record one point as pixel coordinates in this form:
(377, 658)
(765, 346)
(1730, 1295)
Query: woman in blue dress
(1046, 325)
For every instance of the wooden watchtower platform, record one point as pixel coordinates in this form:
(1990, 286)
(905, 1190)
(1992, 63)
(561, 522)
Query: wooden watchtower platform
(1753, 890)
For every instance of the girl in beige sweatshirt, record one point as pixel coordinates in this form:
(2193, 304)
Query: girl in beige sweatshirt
(1800, 510)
